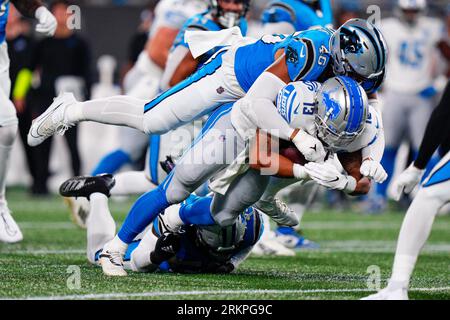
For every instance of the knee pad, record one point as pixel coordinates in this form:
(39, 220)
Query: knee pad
(8, 135)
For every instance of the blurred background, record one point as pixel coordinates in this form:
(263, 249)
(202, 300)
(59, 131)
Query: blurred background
(110, 37)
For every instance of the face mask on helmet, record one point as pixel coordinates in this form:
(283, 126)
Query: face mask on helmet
(341, 112)
(358, 50)
(229, 12)
(221, 241)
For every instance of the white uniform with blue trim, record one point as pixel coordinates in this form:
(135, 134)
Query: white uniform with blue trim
(408, 93)
(230, 73)
(7, 110)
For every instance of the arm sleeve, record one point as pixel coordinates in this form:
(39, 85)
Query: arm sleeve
(437, 131)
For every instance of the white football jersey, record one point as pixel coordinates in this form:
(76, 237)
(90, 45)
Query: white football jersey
(413, 57)
(296, 103)
(174, 13)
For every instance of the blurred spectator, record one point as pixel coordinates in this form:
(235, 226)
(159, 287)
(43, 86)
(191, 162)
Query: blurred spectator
(63, 63)
(20, 51)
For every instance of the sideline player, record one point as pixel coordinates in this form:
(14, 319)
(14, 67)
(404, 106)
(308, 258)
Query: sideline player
(432, 196)
(411, 83)
(9, 230)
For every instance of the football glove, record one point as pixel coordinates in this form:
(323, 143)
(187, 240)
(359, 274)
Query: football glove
(407, 181)
(327, 175)
(311, 148)
(373, 170)
(166, 247)
(47, 22)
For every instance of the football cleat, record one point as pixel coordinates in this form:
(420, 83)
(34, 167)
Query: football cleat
(9, 230)
(112, 263)
(86, 185)
(79, 210)
(52, 120)
(278, 211)
(292, 239)
(271, 247)
(389, 294)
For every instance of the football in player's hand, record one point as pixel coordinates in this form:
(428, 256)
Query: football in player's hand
(290, 151)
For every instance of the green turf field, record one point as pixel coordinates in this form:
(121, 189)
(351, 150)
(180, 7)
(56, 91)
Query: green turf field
(350, 243)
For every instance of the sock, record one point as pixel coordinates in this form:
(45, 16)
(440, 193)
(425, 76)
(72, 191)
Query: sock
(112, 162)
(415, 230)
(143, 212)
(197, 213)
(131, 183)
(117, 110)
(388, 163)
(7, 137)
(101, 226)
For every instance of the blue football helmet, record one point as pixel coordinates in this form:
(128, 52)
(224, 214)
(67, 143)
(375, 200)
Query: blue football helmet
(341, 112)
(358, 50)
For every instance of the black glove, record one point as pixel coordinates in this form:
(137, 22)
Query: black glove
(167, 165)
(166, 247)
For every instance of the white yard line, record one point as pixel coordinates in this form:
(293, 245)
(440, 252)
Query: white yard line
(156, 294)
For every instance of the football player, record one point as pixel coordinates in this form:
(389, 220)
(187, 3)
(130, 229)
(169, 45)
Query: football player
(432, 196)
(344, 115)
(247, 67)
(411, 82)
(289, 16)
(9, 231)
(196, 249)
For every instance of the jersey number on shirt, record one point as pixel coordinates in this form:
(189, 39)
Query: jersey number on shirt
(411, 53)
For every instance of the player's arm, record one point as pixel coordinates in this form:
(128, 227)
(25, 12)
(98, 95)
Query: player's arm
(184, 69)
(264, 158)
(35, 9)
(158, 47)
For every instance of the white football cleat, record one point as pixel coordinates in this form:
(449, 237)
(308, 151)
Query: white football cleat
(79, 210)
(279, 212)
(52, 120)
(9, 230)
(271, 247)
(389, 294)
(111, 261)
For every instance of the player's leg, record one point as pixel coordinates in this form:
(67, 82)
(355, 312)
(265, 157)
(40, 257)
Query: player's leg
(191, 171)
(181, 104)
(420, 114)
(9, 230)
(416, 228)
(243, 192)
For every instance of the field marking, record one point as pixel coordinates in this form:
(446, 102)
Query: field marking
(208, 292)
(327, 246)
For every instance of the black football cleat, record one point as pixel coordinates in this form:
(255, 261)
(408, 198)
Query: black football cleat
(84, 186)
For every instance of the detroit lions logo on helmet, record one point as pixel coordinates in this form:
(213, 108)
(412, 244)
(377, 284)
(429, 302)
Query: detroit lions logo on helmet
(332, 106)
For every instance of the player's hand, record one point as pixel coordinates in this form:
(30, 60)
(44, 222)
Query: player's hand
(407, 181)
(219, 268)
(373, 170)
(47, 22)
(166, 247)
(311, 147)
(327, 175)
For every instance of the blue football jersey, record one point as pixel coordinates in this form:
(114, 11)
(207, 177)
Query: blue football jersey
(307, 56)
(4, 10)
(204, 22)
(299, 14)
